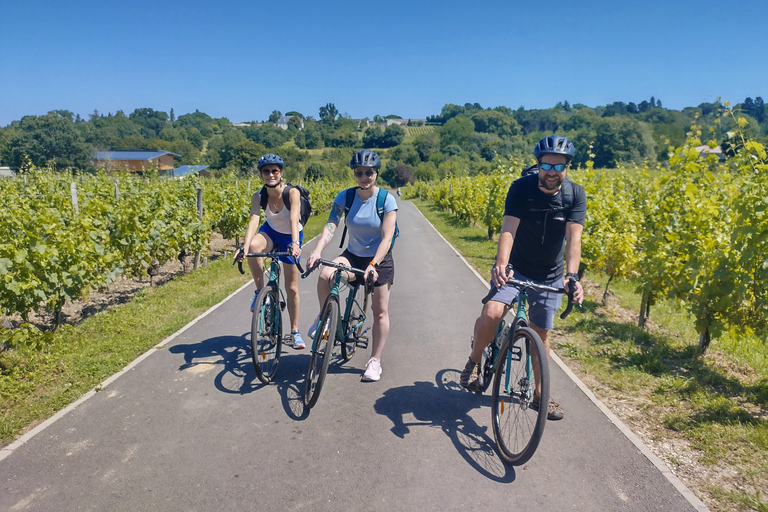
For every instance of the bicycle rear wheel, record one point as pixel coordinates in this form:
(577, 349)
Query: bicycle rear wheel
(266, 334)
(322, 347)
(355, 316)
(518, 423)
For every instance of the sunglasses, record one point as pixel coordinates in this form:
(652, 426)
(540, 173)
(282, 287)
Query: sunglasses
(556, 167)
(270, 171)
(367, 174)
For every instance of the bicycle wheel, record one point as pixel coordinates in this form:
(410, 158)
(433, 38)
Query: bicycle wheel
(355, 316)
(322, 347)
(518, 423)
(266, 334)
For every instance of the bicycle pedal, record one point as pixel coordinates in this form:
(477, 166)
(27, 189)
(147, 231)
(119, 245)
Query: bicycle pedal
(362, 342)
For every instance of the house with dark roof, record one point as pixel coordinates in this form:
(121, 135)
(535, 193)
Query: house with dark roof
(135, 161)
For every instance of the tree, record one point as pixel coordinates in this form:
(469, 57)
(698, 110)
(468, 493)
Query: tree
(275, 116)
(492, 121)
(152, 121)
(456, 131)
(173, 116)
(48, 139)
(328, 113)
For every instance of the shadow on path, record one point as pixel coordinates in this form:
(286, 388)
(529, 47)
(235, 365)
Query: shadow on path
(446, 405)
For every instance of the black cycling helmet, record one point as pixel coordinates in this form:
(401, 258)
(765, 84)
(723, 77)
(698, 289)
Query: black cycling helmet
(270, 159)
(365, 158)
(554, 145)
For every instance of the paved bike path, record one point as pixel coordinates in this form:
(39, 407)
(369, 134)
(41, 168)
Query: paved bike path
(191, 428)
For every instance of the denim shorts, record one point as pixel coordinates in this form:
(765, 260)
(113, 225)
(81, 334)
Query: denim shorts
(281, 241)
(542, 306)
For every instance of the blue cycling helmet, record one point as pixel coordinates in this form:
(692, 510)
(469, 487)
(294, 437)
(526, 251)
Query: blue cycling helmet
(555, 145)
(365, 158)
(270, 159)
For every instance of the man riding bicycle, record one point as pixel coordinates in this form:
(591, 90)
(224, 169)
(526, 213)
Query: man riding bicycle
(543, 220)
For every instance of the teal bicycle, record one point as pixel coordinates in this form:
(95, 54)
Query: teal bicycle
(333, 329)
(517, 363)
(267, 320)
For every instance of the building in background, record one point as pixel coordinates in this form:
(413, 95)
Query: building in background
(135, 161)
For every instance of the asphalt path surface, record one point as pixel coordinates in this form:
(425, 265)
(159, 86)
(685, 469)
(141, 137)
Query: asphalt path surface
(190, 428)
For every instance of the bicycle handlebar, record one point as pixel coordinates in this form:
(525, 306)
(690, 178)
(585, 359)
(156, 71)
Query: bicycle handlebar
(527, 285)
(272, 254)
(341, 266)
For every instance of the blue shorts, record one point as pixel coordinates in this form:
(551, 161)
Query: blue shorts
(542, 306)
(281, 241)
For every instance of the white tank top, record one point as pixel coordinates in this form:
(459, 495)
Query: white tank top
(280, 221)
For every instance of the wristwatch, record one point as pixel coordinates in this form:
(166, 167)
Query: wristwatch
(375, 265)
(573, 275)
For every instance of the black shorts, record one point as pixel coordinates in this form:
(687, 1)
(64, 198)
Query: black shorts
(386, 268)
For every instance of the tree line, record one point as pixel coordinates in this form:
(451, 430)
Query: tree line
(461, 140)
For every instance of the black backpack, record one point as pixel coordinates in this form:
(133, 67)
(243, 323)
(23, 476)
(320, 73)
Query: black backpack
(306, 206)
(381, 198)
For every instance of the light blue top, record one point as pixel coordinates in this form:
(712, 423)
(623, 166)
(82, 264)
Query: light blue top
(363, 223)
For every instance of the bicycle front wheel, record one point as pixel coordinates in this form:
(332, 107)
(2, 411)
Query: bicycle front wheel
(355, 316)
(266, 334)
(322, 347)
(522, 372)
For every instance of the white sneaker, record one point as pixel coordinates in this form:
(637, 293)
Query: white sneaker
(372, 370)
(313, 328)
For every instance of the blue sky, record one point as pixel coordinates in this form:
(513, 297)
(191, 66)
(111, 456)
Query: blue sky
(242, 59)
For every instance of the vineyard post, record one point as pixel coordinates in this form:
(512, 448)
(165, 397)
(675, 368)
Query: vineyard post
(199, 216)
(249, 187)
(73, 190)
(117, 190)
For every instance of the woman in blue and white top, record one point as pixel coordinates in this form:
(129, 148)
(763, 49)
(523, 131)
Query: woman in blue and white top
(369, 248)
(282, 230)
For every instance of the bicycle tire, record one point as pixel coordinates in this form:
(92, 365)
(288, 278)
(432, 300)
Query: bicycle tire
(518, 424)
(355, 315)
(322, 348)
(266, 334)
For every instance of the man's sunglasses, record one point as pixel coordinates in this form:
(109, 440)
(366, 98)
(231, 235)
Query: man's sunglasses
(367, 174)
(556, 167)
(270, 171)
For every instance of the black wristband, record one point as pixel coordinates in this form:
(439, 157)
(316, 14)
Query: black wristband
(572, 275)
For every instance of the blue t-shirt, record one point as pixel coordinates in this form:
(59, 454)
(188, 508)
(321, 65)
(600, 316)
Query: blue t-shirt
(363, 223)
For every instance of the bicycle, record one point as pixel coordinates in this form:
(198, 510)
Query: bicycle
(267, 320)
(332, 328)
(518, 363)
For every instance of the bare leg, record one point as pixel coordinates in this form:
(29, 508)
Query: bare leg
(380, 307)
(486, 326)
(259, 243)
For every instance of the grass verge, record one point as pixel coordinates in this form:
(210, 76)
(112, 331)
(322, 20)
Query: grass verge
(36, 383)
(705, 416)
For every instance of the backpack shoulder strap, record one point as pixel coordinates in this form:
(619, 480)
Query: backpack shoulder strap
(286, 195)
(263, 197)
(381, 199)
(348, 200)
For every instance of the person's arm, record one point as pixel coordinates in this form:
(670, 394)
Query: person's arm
(253, 223)
(295, 210)
(387, 232)
(506, 240)
(573, 233)
(327, 235)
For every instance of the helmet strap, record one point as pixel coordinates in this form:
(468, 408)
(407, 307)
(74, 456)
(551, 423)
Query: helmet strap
(275, 186)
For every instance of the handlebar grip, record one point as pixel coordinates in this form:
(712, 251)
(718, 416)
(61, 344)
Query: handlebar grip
(238, 258)
(490, 295)
(569, 307)
(311, 269)
(298, 265)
